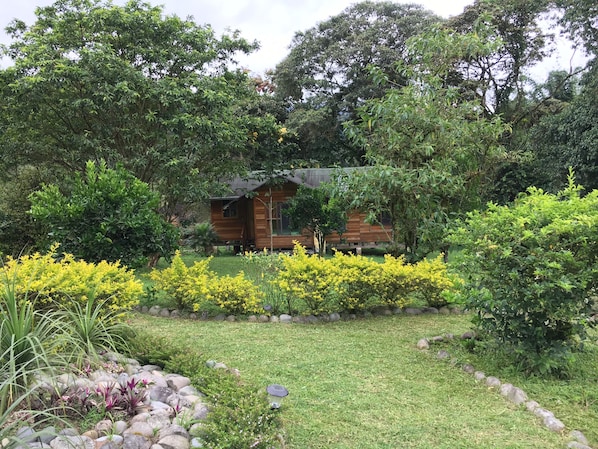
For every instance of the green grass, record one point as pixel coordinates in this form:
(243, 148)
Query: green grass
(362, 384)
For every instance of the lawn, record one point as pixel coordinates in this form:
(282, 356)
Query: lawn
(362, 384)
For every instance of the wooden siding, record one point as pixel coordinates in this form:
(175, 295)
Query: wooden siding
(253, 228)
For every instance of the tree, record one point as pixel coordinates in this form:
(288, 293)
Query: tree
(108, 214)
(532, 273)
(126, 84)
(314, 209)
(431, 150)
(569, 138)
(325, 76)
(580, 18)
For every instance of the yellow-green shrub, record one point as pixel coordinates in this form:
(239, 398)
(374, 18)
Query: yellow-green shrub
(235, 295)
(309, 279)
(186, 286)
(356, 279)
(432, 281)
(55, 282)
(193, 288)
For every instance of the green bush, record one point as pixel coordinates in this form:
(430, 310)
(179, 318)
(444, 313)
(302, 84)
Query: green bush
(202, 237)
(531, 271)
(107, 215)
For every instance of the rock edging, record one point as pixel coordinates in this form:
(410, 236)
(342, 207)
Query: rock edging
(166, 312)
(512, 393)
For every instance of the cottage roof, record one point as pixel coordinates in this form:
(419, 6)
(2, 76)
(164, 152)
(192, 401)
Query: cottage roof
(311, 177)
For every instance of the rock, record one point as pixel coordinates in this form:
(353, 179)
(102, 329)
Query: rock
(175, 314)
(68, 432)
(132, 441)
(577, 445)
(109, 442)
(352, 316)
(579, 437)
(449, 336)
(220, 365)
(444, 311)
(220, 317)
(160, 394)
(543, 413)
(554, 424)
(479, 376)
(196, 443)
(505, 389)
(469, 335)
(274, 319)
(263, 319)
(188, 390)
(397, 311)
(72, 442)
(200, 411)
(26, 434)
(438, 339)
(311, 319)
(252, 319)
(423, 344)
(47, 435)
(174, 442)
(164, 313)
(517, 396)
(531, 406)
(177, 382)
(492, 382)
(93, 434)
(413, 311)
(432, 310)
(154, 310)
(150, 368)
(284, 318)
(193, 316)
(296, 319)
(140, 428)
(443, 355)
(335, 317)
(231, 318)
(469, 369)
(174, 429)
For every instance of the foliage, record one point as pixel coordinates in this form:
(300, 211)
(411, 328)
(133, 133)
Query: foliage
(532, 273)
(315, 210)
(234, 295)
(107, 215)
(356, 283)
(59, 282)
(94, 328)
(240, 414)
(129, 84)
(197, 287)
(263, 269)
(579, 19)
(325, 76)
(431, 150)
(201, 237)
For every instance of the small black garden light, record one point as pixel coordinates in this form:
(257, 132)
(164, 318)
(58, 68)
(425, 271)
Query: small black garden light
(275, 395)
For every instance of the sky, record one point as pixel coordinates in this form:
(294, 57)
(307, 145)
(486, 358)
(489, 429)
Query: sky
(271, 22)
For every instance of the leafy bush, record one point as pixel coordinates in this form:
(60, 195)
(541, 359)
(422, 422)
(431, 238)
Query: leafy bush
(263, 269)
(353, 283)
(107, 215)
(309, 279)
(197, 287)
(59, 282)
(532, 271)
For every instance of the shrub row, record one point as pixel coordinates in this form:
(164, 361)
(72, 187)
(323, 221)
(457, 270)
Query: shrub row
(353, 283)
(55, 281)
(308, 284)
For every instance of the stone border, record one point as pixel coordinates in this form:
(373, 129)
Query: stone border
(304, 319)
(514, 394)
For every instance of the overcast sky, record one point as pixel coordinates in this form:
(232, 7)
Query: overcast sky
(271, 22)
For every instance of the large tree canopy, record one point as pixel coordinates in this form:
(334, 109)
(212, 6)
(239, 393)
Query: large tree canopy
(325, 76)
(430, 149)
(127, 84)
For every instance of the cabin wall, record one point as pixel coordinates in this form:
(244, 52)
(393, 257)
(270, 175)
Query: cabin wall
(232, 229)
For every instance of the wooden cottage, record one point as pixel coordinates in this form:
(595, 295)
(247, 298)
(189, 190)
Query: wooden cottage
(253, 216)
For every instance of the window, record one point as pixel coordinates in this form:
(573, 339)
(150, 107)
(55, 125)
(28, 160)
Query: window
(280, 221)
(229, 209)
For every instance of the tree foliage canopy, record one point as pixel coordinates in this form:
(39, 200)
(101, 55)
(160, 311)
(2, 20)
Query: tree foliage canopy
(325, 75)
(430, 149)
(127, 84)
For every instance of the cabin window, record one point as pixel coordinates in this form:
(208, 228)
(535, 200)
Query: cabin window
(281, 222)
(229, 209)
